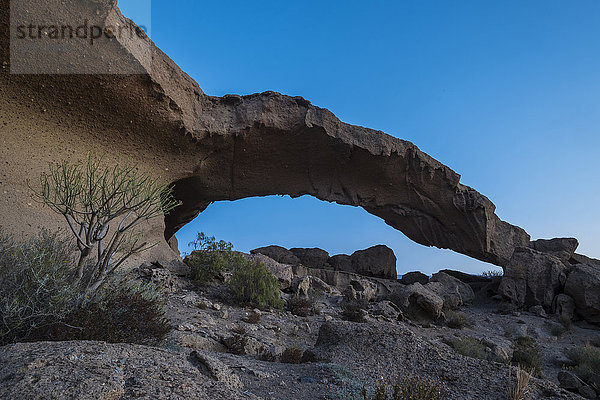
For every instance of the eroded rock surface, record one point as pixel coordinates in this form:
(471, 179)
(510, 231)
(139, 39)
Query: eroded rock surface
(223, 148)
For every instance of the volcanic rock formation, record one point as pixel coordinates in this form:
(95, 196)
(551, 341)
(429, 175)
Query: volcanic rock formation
(225, 148)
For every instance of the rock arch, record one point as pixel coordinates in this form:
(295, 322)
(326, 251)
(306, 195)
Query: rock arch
(228, 148)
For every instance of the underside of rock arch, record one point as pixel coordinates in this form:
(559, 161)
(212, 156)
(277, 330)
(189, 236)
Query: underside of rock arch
(228, 148)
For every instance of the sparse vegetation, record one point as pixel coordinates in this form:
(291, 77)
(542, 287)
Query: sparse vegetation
(586, 360)
(519, 389)
(253, 318)
(527, 355)
(493, 273)
(102, 206)
(36, 290)
(456, 320)
(301, 306)
(253, 284)
(354, 310)
(129, 312)
(292, 355)
(411, 388)
(40, 301)
(471, 347)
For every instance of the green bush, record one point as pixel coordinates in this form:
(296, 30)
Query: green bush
(527, 354)
(35, 286)
(131, 312)
(210, 258)
(253, 284)
(586, 360)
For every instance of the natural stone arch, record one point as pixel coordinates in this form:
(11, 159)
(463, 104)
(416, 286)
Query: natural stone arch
(279, 145)
(227, 148)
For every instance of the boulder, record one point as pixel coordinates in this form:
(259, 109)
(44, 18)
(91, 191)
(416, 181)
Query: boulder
(569, 381)
(159, 276)
(417, 301)
(307, 285)
(312, 258)
(278, 253)
(532, 277)
(411, 277)
(562, 248)
(386, 310)
(583, 285)
(361, 289)
(340, 262)
(377, 261)
(454, 292)
(466, 278)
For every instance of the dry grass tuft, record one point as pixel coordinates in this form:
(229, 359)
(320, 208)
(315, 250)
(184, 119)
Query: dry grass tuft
(520, 389)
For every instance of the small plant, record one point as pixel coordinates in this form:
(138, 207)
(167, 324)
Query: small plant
(239, 330)
(527, 354)
(409, 388)
(210, 258)
(35, 286)
(354, 310)
(102, 206)
(301, 306)
(236, 344)
(457, 320)
(253, 284)
(586, 360)
(494, 273)
(519, 389)
(471, 347)
(253, 318)
(292, 355)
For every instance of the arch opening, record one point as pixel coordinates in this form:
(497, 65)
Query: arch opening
(307, 222)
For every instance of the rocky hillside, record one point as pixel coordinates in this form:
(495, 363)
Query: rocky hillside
(338, 332)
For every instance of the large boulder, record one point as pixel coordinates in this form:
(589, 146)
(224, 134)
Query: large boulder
(532, 278)
(340, 262)
(562, 248)
(312, 258)
(417, 301)
(377, 261)
(278, 253)
(454, 292)
(583, 285)
(411, 277)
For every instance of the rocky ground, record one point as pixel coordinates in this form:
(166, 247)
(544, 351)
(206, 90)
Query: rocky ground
(219, 350)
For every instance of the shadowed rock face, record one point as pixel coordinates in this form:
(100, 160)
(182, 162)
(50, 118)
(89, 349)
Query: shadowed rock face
(234, 147)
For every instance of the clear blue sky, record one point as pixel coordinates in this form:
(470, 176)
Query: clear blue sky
(507, 93)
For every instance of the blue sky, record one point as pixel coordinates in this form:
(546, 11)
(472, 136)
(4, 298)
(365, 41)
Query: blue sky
(506, 93)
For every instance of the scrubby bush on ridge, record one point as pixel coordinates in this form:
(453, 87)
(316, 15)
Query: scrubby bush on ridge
(35, 285)
(586, 360)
